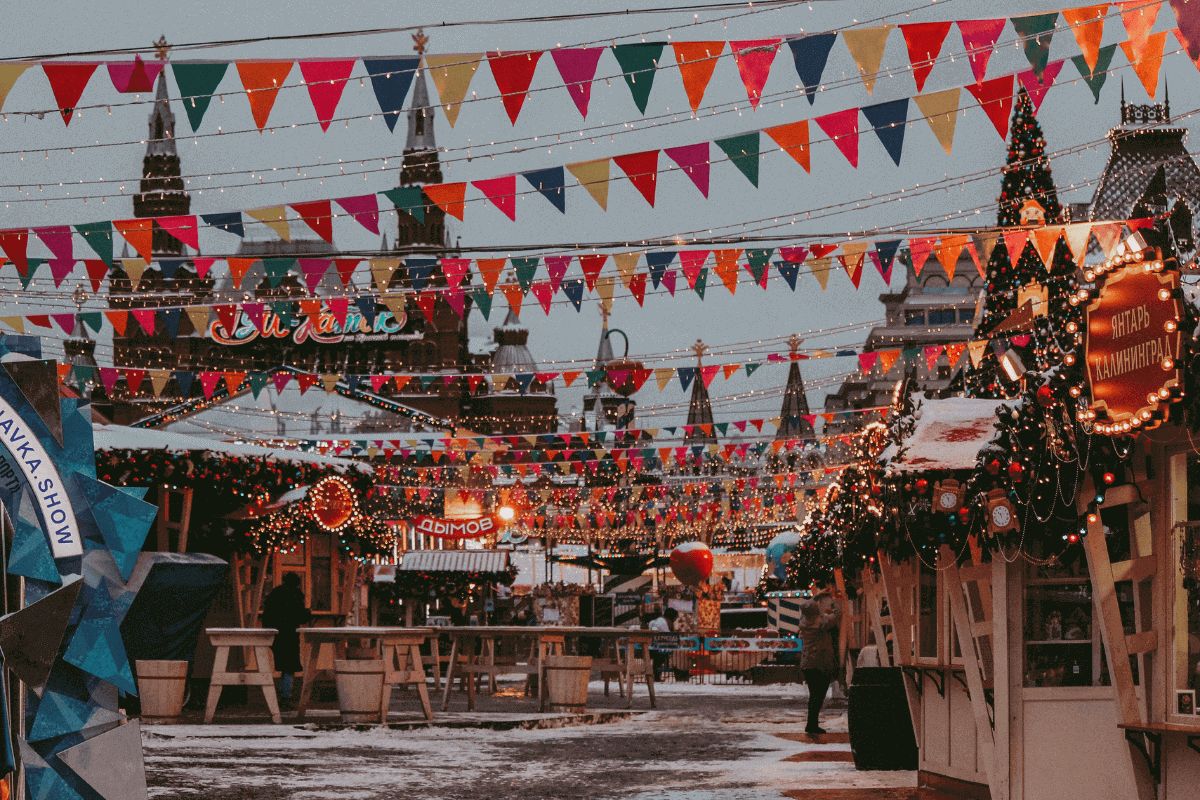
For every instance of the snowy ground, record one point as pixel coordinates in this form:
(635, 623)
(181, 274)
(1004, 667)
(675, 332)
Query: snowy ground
(702, 743)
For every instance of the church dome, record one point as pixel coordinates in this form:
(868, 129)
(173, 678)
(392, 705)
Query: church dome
(512, 356)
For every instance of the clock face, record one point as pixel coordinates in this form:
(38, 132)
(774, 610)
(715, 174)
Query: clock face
(948, 500)
(1001, 516)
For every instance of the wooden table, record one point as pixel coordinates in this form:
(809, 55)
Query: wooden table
(547, 641)
(257, 639)
(399, 647)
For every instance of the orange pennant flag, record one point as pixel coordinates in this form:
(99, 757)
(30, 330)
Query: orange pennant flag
(1087, 23)
(1146, 64)
(262, 81)
(489, 270)
(233, 380)
(1014, 243)
(948, 250)
(118, 320)
(954, 352)
(238, 267)
(1139, 17)
(514, 295)
(448, 197)
(727, 267)
(139, 233)
(1107, 235)
(886, 359)
(793, 139)
(1044, 241)
(696, 61)
(852, 261)
(730, 369)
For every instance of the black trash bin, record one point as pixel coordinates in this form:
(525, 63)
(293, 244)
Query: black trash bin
(881, 731)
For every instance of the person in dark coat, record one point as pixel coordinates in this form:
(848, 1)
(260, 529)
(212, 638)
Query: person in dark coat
(286, 610)
(818, 661)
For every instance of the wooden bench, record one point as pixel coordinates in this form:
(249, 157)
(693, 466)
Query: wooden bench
(257, 640)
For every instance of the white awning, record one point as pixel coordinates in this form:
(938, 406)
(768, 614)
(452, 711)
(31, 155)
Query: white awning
(455, 561)
(119, 437)
(949, 434)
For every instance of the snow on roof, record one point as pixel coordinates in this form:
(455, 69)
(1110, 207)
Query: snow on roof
(455, 561)
(949, 434)
(119, 437)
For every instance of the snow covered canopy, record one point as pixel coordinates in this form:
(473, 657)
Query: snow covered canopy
(949, 435)
(119, 437)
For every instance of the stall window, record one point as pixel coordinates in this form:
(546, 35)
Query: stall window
(1062, 648)
(927, 611)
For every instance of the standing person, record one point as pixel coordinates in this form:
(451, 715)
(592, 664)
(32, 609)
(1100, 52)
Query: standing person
(286, 610)
(818, 661)
(828, 607)
(664, 623)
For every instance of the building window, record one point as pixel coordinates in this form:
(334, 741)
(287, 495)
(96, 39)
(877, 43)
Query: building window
(966, 315)
(927, 611)
(941, 316)
(914, 317)
(420, 123)
(1061, 646)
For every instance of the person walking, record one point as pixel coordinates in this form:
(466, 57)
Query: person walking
(286, 610)
(818, 662)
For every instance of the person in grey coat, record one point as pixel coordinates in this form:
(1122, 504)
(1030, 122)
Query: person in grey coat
(818, 660)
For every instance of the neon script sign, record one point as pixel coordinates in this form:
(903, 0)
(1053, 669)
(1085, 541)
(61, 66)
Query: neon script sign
(323, 328)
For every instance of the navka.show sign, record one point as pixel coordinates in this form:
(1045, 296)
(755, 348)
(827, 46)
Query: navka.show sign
(457, 528)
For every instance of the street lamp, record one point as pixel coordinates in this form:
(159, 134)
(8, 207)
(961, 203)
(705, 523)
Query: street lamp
(506, 513)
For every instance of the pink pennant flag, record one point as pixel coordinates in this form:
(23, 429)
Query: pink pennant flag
(281, 379)
(314, 270)
(365, 209)
(454, 296)
(921, 248)
(979, 37)
(1037, 89)
(668, 280)
(693, 262)
(455, 269)
(932, 354)
(202, 266)
(256, 313)
(793, 255)
(145, 318)
(377, 382)
(109, 376)
(577, 68)
(866, 361)
(326, 80)
(182, 228)
(754, 60)
(129, 77)
(502, 192)
(842, 127)
(58, 239)
(556, 266)
(60, 268)
(542, 291)
(65, 321)
(693, 160)
(209, 381)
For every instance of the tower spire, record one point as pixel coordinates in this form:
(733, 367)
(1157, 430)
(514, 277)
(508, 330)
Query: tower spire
(161, 191)
(792, 424)
(700, 406)
(420, 162)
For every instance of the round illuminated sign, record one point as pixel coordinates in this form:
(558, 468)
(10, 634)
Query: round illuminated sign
(332, 503)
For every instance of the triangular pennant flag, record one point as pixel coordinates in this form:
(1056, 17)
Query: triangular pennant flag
(262, 81)
(979, 37)
(637, 287)
(8, 78)
(313, 270)
(985, 243)
(852, 261)
(1014, 243)
(274, 218)
(693, 160)
(591, 265)
(932, 354)
(888, 120)
(67, 81)
(57, 239)
(556, 268)
(642, 171)
(948, 250)
(743, 152)
(1107, 235)
(118, 319)
(98, 235)
(277, 269)
(410, 200)
(182, 228)
(197, 84)
(693, 262)
(489, 270)
(1036, 89)
(230, 223)
(573, 289)
(483, 301)
(811, 53)
(1188, 31)
(390, 79)
(593, 176)
(793, 140)
(456, 269)
(954, 352)
(866, 47)
(513, 72)
(757, 261)
(1036, 30)
(134, 267)
(920, 248)
(754, 58)
(577, 66)
(198, 317)
(1139, 18)
(886, 359)
(790, 271)
(419, 271)
(727, 267)
(1087, 23)
(638, 63)
(1146, 65)
(978, 348)
(696, 61)
(145, 318)
(138, 232)
(364, 209)
(996, 98)
(550, 183)
(170, 318)
(97, 271)
(238, 267)
(940, 110)
(452, 77)
(1044, 240)
(525, 268)
(820, 270)
(626, 265)
(326, 79)
(701, 282)
(706, 375)
(449, 197)
(514, 295)
(842, 128)
(318, 215)
(883, 255)
(1077, 236)
(924, 43)
(159, 379)
(1095, 77)
(502, 192)
(866, 361)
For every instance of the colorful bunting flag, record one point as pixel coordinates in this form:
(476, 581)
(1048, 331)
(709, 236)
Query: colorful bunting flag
(513, 72)
(593, 176)
(793, 140)
(866, 47)
(693, 160)
(638, 63)
(390, 79)
(577, 67)
(979, 37)
(262, 81)
(326, 79)
(452, 77)
(754, 58)
(810, 54)
(696, 61)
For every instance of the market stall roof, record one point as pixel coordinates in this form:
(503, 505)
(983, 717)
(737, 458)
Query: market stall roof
(120, 437)
(949, 435)
(455, 561)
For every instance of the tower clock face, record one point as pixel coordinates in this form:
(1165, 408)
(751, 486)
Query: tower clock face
(947, 500)
(1001, 516)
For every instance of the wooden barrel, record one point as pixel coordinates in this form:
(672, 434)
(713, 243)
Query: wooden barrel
(161, 686)
(360, 689)
(567, 682)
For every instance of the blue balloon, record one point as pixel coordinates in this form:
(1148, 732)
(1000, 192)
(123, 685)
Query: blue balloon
(779, 552)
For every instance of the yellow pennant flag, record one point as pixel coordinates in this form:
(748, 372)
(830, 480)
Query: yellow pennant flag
(394, 302)
(382, 270)
(940, 110)
(977, 347)
(452, 77)
(330, 382)
(852, 260)
(604, 288)
(820, 270)
(948, 250)
(134, 267)
(158, 379)
(274, 218)
(593, 176)
(16, 323)
(866, 47)
(985, 243)
(1077, 236)
(198, 315)
(626, 265)
(663, 375)
(8, 76)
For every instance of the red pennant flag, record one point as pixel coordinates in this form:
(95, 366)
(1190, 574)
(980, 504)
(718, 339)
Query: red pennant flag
(262, 81)
(693, 262)
(97, 270)
(134, 378)
(842, 127)
(182, 228)
(932, 354)
(209, 380)
(58, 239)
(202, 265)
(1037, 89)
(345, 268)
(455, 269)
(591, 269)
(306, 381)
(793, 255)
(693, 160)
(708, 373)
(67, 323)
(996, 97)
(502, 192)
(637, 286)
(227, 315)
(377, 382)
(544, 293)
(924, 41)
(145, 318)
(67, 81)
(318, 215)
(821, 250)
(448, 197)
(556, 267)
(425, 301)
(954, 352)
(15, 243)
(642, 169)
(513, 73)
(281, 379)
(754, 60)
(325, 81)
(866, 361)
(139, 233)
(979, 37)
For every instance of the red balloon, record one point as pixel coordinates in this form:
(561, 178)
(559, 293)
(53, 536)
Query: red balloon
(692, 563)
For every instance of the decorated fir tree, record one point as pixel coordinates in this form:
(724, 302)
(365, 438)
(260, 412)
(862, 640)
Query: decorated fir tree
(1027, 170)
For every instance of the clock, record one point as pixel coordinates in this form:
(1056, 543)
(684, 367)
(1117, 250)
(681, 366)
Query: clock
(1000, 512)
(947, 497)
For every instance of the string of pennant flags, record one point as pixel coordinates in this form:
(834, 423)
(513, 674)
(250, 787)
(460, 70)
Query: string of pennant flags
(513, 70)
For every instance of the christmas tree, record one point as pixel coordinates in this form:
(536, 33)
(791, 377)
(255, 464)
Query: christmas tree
(1027, 170)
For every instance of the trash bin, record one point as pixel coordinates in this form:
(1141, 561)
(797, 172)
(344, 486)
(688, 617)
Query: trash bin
(161, 686)
(360, 689)
(567, 682)
(881, 731)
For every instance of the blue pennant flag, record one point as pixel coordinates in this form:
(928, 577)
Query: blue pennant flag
(789, 270)
(419, 270)
(230, 223)
(810, 54)
(658, 263)
(169, 266)
(887, 253)
(550, 183)
(889, 120)
(352, 381)
(686, 374)
(523, 381)
(390, 78)
(184, 379)
(573, 289)
(170, 318)
(366, 307)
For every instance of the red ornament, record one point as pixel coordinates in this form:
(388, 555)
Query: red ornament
(692, 563)
(922, 485)
(993, 466)
(964, 512)
(1015, 470)
(1109, 478)
(1045, 397)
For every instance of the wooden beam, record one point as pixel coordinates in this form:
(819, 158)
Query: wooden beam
(1142, 642)
(899, 589)
(1116, 495)
(1136, 570)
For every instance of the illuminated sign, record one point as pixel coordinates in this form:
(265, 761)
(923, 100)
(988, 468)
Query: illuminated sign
(324, 328)
(457, 528)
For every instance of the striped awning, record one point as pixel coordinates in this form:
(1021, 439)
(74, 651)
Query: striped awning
(455, 561)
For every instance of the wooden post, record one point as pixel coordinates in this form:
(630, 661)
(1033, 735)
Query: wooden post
(899, 582)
